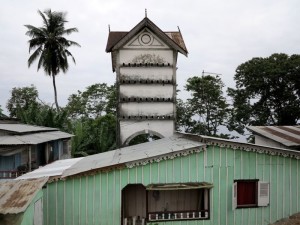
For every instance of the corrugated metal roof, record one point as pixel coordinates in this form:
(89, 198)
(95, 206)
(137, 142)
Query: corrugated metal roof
(286, 135)
(16, 195)
(53, 169)
(128, 154)
(23, 128)
(33, 139)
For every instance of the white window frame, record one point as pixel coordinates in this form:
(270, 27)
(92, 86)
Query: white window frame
(263, 194)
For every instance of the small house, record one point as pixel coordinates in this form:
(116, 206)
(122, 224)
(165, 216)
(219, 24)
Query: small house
(25, 147)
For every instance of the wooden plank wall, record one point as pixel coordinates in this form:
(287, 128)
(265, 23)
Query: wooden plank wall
(96, 199)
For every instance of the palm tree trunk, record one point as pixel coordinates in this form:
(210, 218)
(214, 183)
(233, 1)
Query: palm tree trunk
(55, 93)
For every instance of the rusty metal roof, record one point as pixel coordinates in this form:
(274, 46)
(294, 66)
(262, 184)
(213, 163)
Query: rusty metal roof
(173, 38)
(16, 195)
(23, 128)
(286, 135)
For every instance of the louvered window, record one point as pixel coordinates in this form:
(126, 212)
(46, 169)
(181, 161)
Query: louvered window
(250, 193)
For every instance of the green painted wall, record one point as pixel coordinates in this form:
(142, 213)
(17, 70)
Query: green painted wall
(96, 199)
(29, 213)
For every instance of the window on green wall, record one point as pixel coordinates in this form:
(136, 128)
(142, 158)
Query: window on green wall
(180, 201)
(250, 193)
(165, 202)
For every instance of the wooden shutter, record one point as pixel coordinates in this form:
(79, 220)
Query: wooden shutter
(263, 193)
(38, 212)
(234, 196)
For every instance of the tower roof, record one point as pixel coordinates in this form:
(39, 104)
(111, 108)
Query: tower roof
(174, 39)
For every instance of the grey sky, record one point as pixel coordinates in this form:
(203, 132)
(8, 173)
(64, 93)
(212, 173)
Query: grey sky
(219, 35)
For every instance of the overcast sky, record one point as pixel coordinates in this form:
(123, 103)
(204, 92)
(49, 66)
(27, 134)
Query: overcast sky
(219, 36)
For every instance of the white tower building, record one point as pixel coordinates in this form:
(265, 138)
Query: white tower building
(145, 60)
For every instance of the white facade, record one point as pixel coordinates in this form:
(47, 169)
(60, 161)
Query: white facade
(145, 65)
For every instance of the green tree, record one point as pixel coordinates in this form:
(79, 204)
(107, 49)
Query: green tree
(1, 113)
(22, 98)
(98, 99)
(207, 110)
(94, 135)
(50, 46)
(24, 104)
(267, 92)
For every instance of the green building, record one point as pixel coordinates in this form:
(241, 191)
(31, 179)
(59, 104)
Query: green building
(184, 179)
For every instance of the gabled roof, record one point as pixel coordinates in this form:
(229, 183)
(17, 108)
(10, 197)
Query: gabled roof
(286, 135)
(173, 39)
(16, 195)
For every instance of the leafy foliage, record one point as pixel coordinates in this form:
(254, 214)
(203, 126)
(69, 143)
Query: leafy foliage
(50, 46)
(97, 100)
(207, 109)
(94, 135)
(267, 92)
(1, 112)
(22, 98)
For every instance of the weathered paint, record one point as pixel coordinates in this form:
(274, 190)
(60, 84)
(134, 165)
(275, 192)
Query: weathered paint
(150, 73)
(146, 91)
(28, 217)
(157, 127)
(147, 109)
(96, 199)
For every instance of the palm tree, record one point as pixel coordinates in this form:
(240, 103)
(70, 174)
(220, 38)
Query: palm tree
(50, 45)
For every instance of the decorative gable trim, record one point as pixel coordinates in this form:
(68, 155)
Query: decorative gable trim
(165, 157)
(146, 39)
(146, 23)
(253, 148)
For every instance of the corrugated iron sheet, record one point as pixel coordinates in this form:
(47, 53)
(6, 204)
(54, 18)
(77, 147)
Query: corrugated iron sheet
(35, 138)
(24, 128)
(149, 150)
(16, 195)
(286, 135)
(53, 169)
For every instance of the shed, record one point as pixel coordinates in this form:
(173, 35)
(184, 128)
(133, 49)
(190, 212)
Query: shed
(21, 202)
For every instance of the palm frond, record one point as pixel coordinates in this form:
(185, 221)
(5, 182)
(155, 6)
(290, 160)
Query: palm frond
(70, 54)
(70, 30)
(44, 18)
(34, 56)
